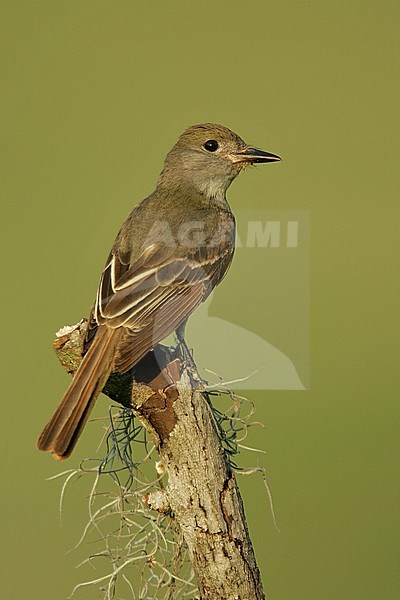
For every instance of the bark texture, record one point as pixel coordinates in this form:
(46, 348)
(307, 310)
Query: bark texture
(201, 493)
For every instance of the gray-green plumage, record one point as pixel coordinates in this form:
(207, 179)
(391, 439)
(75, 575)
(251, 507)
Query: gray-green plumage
(173, 248)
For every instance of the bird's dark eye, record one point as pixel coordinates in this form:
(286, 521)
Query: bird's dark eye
(211, 145)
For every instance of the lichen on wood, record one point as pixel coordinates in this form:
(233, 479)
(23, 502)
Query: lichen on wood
(201, 493)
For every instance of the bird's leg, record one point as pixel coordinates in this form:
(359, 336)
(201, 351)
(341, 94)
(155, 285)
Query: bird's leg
(184, 349)
(187, 357)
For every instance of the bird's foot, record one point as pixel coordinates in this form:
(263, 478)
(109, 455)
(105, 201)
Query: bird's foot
(189, 365)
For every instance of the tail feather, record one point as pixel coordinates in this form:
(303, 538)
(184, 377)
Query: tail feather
(62, 432)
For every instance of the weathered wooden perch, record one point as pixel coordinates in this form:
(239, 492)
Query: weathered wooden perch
(201, 493)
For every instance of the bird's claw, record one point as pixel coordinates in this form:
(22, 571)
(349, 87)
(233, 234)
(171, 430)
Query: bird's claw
(190, 367)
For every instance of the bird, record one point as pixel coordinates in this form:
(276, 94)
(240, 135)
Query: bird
(174, 247)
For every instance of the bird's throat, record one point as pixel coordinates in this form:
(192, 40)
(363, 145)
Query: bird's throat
(215, 191)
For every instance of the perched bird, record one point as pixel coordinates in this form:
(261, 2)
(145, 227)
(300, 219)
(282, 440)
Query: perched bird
(172, 249)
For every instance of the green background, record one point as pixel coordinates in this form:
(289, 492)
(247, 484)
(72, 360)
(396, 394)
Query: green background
(94, 95)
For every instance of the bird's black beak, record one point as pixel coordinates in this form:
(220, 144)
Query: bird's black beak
(254, 156)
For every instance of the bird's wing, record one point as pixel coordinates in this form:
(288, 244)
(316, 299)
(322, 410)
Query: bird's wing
(151, 297)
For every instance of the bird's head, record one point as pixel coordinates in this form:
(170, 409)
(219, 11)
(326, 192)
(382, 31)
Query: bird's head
(209, 157)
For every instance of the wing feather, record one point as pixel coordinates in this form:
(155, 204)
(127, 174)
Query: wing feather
(150, 297)
(135, 345)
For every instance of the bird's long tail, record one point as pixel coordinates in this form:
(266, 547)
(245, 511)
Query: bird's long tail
(64, 428)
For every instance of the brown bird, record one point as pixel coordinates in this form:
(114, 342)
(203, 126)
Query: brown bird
(172, 249)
